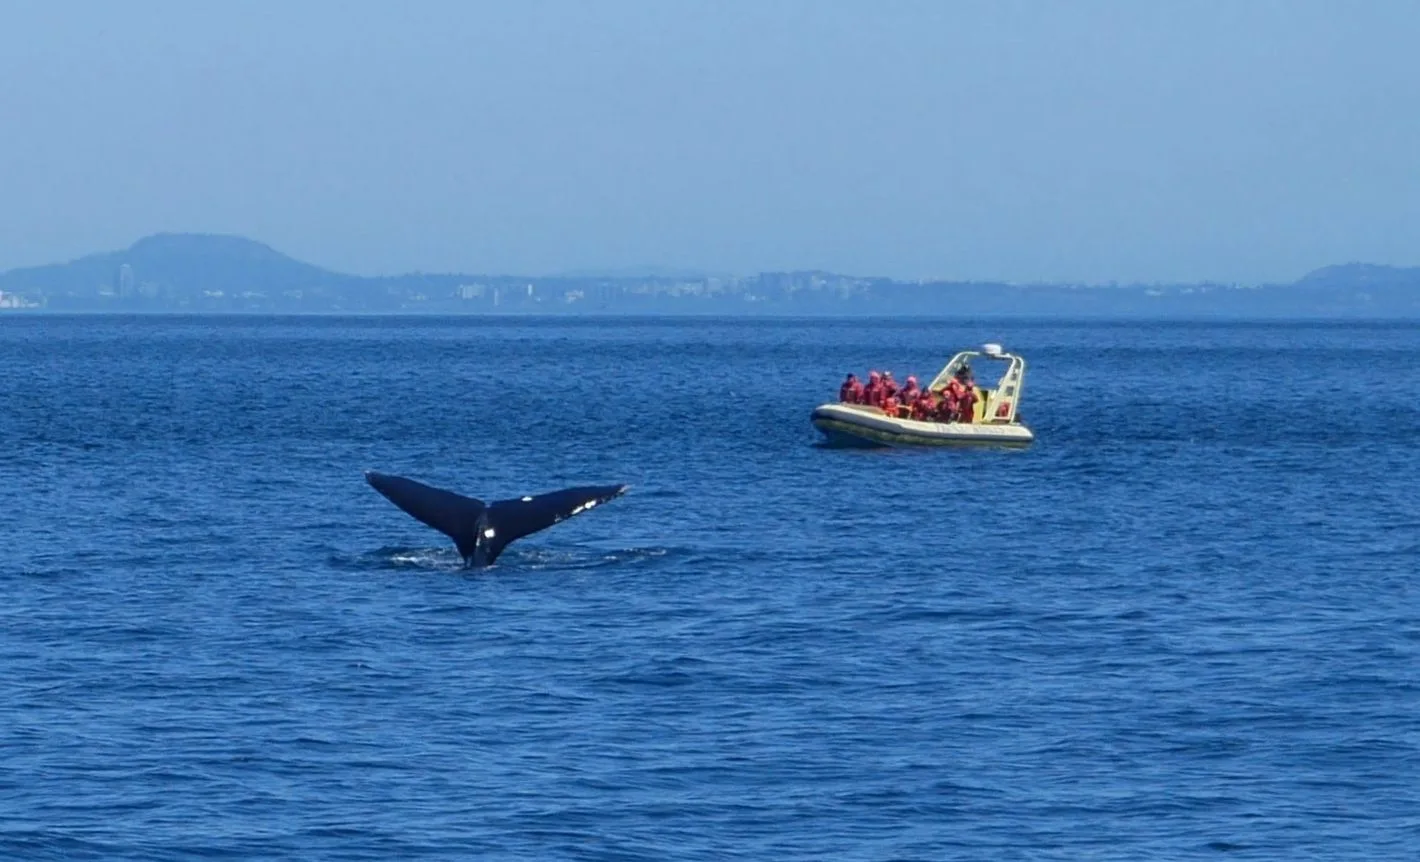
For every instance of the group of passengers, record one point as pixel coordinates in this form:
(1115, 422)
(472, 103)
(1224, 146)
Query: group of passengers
(954, 402)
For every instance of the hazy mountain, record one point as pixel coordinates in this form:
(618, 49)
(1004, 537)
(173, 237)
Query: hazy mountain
(1361, 276)
(178, 264)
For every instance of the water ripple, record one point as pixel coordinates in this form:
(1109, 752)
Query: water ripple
(1184, 624)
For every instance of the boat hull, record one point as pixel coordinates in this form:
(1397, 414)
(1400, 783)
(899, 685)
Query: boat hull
(862, 426)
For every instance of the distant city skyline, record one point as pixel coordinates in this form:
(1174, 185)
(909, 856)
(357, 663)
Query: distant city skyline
(1241, 141)
(216, 274)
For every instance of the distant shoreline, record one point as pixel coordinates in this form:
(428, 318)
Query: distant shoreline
(213, 274)
(767, 316)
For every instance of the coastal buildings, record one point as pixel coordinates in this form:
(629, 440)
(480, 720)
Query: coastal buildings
(14, 300)
(124, 284)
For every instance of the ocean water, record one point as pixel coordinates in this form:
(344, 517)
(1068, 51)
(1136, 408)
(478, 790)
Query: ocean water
(1184, 624)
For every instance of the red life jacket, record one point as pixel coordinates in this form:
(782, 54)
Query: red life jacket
(966, 404)
(924, 407)
(952, 399)
(851, 392)
(890, 405)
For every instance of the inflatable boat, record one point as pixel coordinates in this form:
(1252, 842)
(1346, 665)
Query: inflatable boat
(994, 420)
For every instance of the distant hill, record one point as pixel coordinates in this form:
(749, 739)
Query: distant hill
(175, 266)
(215, 273)
(213, 262)
(1362, 276)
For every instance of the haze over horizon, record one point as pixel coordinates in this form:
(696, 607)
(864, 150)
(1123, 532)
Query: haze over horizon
(1241, 141)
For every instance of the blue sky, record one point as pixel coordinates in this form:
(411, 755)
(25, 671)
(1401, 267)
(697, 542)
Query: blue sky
(1088, 141)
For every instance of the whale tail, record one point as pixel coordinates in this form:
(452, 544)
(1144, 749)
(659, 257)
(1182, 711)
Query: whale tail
(482, 530)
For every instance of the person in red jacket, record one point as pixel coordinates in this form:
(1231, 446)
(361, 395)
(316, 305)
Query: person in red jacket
(851, 392)
(889, 385)
(890, 405)
(909, 392)
(946, 407)
(961, 392)
(873, 392)
(924, 409)
(966, 406)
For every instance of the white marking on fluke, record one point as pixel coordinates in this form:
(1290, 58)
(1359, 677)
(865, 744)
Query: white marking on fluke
(527, 499)
(488, 533)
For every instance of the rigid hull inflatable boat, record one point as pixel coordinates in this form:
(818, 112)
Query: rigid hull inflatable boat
(993, 419)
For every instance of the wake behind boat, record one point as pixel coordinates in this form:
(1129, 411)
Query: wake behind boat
(950, 410)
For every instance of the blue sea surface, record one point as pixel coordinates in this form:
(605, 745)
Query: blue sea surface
(1184, 624)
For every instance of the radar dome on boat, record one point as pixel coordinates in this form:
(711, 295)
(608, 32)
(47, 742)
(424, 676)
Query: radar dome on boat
(991, 349)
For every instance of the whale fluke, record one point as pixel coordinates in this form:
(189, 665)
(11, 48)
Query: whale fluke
(482, 530)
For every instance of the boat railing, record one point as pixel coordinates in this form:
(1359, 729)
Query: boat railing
(998, 404)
